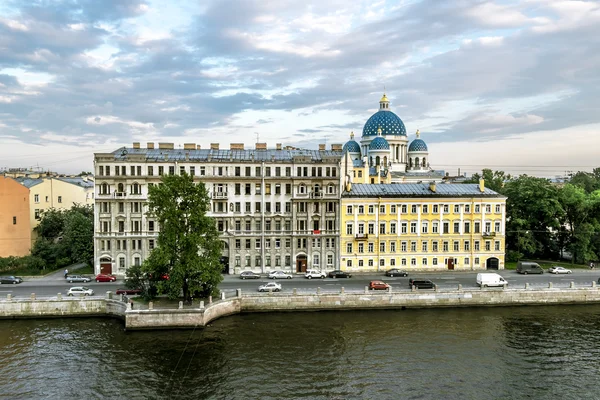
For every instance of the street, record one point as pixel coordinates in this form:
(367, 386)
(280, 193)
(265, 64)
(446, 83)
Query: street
(55, 283)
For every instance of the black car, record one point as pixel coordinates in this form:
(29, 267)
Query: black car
(13, 280)
(395, 272)
(339, 274)
(421, 283)
(249, 275)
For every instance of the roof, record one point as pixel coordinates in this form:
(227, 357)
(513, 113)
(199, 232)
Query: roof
(389, 123)
(78, 181)
(362, 190)
(28, 182)
(417, 145)
(210, 155)
(379, 143)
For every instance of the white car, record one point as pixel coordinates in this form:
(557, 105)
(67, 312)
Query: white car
(279, 275)
(559, 270)
(270, 287)
(313, 273)
(80, 290)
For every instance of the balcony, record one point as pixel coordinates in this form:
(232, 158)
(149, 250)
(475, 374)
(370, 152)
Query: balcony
(316, 195)
(488, 234)
(361, 236)
(120, 194)
(220, 195)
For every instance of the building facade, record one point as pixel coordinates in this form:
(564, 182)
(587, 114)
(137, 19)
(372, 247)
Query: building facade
(15, 227)
(423, 227)
(274, 208)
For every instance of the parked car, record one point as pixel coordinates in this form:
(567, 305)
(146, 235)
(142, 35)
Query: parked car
(559, 270)
(10, 279)
(421, 283)
(128, 291)
(105, 278)
(395, 272)
(279, 275)
(339, 274)
(80, 290)
(78, 278)
(249, 275)
(270, 286)
(313, 273)
(527, 267)
(378, 285)
(491, 279)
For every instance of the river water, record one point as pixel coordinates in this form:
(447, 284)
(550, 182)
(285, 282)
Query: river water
(475, 353)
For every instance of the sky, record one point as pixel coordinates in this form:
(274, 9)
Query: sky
(506, 85)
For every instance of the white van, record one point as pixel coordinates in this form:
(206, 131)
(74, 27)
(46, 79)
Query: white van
(491, 279)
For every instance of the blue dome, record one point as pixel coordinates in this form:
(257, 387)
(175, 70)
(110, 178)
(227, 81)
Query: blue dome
(379, 143)
(352, 146)
(389, 123)
(417, 145)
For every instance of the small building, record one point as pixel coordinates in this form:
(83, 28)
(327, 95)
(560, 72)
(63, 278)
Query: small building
(422, 227)
(15, 226)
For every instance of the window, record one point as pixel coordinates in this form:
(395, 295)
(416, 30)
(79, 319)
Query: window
(403, 262)
(476, 227)
(435, 209)
(467, 227)
(393, 262)
(382, 209)
(413, 246)
(413, 261)
(497, 226)
(392, 247)
(434, 261)
(424, 261)
(60, 199)
(457, 209)
(348, 247)
(467, 261)
(488, 208)
(457, 227)
(413, 209)
(424, 246)
(477, 208)
(403, 227)
(371, 209)
(467, 245)
(476, 260)
(425, 209)
(37, 213)
(382, 228)
(446, 227)
(349, 229)
(497, 245)
(348, 209)
(434, 246)
(456, 245)
(36, 198)
(435, 227)
(403, 208)
(382, 247)
(14, 220)
(403, 247)
(393, 209)
(445, 246)
(425, 227)
(476, 245)
(371, 248)
(488, 245)
(193, 172)
(497, 208)
(413, 227)
(348, 263)
(467, 208)
(393, 228)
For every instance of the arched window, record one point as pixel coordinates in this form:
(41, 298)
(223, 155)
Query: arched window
(417, 162)
(136, 189)
(317, 189)
(105, 188)
(410, 162)
(302, 188)
(371, 162)
(377, 160)
(424, 163)
(385, 162)
(121, 188)
(331, 188)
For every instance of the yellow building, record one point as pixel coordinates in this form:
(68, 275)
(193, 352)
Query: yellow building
(55, 191)
(422, 227)
(15, 228)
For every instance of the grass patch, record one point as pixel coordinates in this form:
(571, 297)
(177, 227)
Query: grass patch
(547, 264)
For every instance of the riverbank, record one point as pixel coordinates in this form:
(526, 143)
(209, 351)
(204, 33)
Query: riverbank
(202, 313)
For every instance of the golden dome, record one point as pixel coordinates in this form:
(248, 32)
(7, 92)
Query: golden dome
(384, 99)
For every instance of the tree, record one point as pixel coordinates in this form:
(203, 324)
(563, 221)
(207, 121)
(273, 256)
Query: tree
(586, 180)
(494, 180)
(78, 234)
(577, 221)
(188, 247)
(533, 212)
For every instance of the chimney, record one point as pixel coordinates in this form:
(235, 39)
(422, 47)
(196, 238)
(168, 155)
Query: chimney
(482, 185)
(189, 146)
(322, 147)
(336, 147)
(278, 146)
(261, 146)
(166, 146)
(198, 147)
(150, 145)
(432, 186)
(214, 146)
(136, 145)
(236, 146)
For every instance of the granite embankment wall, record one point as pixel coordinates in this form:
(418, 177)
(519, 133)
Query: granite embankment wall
(150, 318)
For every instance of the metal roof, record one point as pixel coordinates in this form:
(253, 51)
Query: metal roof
(210, 155)
(78, 181)
(418, 190)
(28, 182)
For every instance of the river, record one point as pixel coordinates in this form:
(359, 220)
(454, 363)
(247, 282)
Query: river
(475, 353)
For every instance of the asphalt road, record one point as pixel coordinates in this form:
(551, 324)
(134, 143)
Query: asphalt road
(51, 285)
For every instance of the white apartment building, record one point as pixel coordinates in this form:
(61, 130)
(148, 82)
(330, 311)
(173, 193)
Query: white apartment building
(274, 208)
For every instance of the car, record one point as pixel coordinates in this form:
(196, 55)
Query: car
(270, 287)
(559, 270)
(77, 278)
(528, 267)
(421, 283)
(279, 275)
(10, 280)
(378, 285)
(249, 275)
(336, 273)
(80, 290)
(395, 272)
(128, 291)
(105, 278)
(313, 273)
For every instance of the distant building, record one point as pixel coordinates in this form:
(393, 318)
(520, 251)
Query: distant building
(15, 225)
(51, 190)
(422, 227)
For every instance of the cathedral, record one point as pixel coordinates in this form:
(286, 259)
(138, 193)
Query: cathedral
(384, 154)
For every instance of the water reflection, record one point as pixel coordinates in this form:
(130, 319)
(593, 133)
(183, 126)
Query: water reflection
(491, 353)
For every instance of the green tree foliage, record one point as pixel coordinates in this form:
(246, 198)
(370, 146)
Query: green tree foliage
(588, 181)
(494, 180)
(188, 247)
(65, 236)
(533, 215)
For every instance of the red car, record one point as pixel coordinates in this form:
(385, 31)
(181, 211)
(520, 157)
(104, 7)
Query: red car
(129, 291)
(378, 285)
(105, 278)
